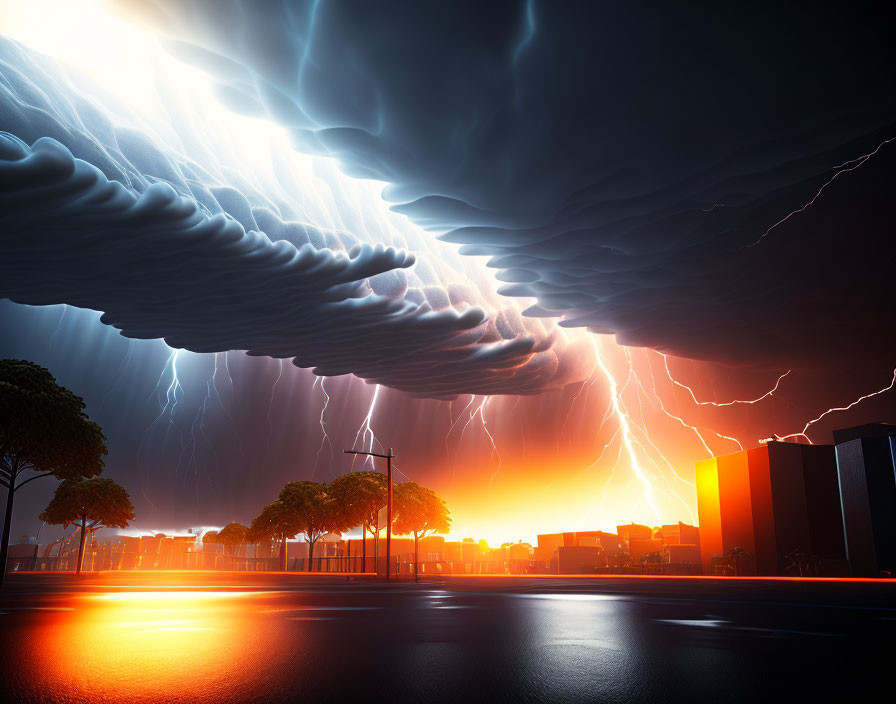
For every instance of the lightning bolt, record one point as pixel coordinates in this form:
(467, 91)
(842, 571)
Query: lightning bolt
(58, 324)
(625, 428)
(480, 412)
(687, 425)
(171, 399)
(859, 400)
(456, 420)
(736, 401)
(840, 169)
(472, 415)
(325, 438)
(365, 430)
(641, 390)
(270, 408)
(490, 438)
(173, 393)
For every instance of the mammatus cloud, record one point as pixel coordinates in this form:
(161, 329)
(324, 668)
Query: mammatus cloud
(618, 164)
(166, 251)
(158, 267)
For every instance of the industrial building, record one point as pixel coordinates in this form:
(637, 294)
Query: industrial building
(866, 470)
(797, 509)
(773, 509)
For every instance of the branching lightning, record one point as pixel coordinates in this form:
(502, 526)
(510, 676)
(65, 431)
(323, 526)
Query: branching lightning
(324, 437)
(169, 406)
(687, 425)
(174, 391)
(625, 428)
(271, 407)
(859, 400)
(843, 168)
(736, 401)
(490, 438)
(365, 431)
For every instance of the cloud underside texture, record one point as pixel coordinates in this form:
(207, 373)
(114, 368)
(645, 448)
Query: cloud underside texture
(165, 250)
(159, 267)
(614, 162)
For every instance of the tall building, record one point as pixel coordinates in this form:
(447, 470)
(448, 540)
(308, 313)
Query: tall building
(866, 469)
(774, 502)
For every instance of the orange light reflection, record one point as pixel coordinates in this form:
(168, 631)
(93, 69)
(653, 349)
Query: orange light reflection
(136, 646)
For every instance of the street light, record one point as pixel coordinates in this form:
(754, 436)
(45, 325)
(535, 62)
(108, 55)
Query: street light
(388, 459)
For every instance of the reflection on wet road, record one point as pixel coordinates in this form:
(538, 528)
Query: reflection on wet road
(267, 638)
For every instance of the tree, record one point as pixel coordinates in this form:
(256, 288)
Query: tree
(232, 536)
(315, 511)
(275, 522)
(360, 496)
(418, 511)
(43, 428)
(90, 504)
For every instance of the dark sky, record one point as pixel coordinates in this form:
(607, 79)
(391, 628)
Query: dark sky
(711, 182)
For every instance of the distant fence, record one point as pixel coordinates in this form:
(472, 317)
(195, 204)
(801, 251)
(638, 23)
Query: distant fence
(402, 565)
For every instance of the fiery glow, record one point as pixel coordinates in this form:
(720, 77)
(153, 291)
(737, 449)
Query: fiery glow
(136, 645)
(185, 597)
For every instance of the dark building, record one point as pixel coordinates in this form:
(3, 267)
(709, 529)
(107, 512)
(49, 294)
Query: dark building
(869, 430)
(779, 503)
(866, 469)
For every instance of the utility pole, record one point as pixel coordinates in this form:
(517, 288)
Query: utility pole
(388, 458)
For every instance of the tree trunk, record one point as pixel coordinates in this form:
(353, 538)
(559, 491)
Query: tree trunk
(376, 545)
(81, 544)
(363, 547)
(283, 552)
(7, 523)
(416, 556)
(310, 555)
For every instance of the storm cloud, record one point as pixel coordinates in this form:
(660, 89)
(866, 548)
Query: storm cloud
(166, 251)
(638, 169)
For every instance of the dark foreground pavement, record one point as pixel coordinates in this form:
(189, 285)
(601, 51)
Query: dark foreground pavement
(254, 637)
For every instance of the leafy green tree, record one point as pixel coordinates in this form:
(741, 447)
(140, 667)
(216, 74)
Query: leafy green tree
(232, 536)
(315, 510)
(43, 429)
(90, 504)
(276, 521)
(418, 511)
(360, 496)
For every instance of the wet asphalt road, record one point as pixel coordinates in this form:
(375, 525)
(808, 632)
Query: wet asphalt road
(192, 637)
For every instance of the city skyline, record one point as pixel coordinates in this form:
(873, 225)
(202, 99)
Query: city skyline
(612, 428)
(783, 508)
